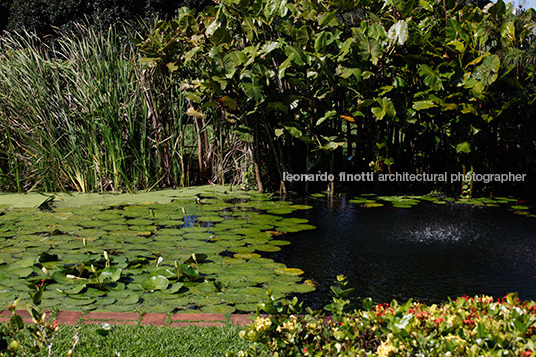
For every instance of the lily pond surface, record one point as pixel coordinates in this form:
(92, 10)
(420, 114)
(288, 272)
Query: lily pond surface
(434, 250)
(173, 250)
(211, 250)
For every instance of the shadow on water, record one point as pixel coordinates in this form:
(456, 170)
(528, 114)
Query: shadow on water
(429, 252)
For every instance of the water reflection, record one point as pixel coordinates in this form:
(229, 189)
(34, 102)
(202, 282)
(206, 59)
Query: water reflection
(428, 252)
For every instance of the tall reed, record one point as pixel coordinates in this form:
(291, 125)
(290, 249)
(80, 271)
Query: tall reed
(81, 114)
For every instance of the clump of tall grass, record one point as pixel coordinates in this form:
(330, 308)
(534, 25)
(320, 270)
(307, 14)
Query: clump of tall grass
(82, 114)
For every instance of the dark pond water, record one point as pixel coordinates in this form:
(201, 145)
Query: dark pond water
(429, 252)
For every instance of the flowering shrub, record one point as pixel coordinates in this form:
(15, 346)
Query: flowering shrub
(468, 326)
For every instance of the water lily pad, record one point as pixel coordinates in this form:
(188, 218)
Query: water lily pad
(301, 206)
(371, 205)
(75, 235)
(199, 236)
(243, 249)
(162, 307)
(247, 255)
(289, 271)
(79, 302)
(519, 207)
(106, 301)
(290, 221)
(285, 210)
(266, 248)
(210, 219)
(261, 278)
(230, 243)
(128, 300)
(7, 296)
(218, 309)
(522, 213)
(246, 307)
(170, 222)
(303, 288)
(279, 242)
(158, 282)
(256, 240)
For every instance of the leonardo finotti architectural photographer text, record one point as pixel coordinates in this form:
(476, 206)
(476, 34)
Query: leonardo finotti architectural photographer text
(403, 177)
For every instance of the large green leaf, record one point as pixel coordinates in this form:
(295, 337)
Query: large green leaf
(305, 36)
(269, 47)
(270, 8)
(454, 31)
(220, 36)
(323, 40)
(399, 32)
(248, 28)
(346, 72)
(370, 49)
(386, 108)
(295, 132)
(345, 48)
(430, 77)
(187, 23)
(508, 30)
(328, 115)
(252, 91)
(488, 71)
(423, 104)
(225, 65)
(464, 147)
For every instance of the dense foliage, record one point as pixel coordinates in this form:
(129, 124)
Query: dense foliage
(397, 85)
(277, 86)
(43, 16)
(84, 116)
(468, 326)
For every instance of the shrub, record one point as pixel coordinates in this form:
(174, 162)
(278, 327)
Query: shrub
(471, 326)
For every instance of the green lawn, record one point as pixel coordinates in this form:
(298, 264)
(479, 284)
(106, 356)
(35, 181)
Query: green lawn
(140, 341)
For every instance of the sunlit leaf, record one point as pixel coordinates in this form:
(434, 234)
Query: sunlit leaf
(488, 71)
(430, 77)
(464, 147)
(386, 107)
(423, 104)
(158, 282)
(399, 32)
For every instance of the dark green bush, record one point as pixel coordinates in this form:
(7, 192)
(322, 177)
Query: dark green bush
(44, 16)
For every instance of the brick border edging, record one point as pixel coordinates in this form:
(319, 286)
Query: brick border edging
(138, 319)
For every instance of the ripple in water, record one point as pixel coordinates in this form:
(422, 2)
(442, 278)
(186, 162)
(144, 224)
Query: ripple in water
(441, 233)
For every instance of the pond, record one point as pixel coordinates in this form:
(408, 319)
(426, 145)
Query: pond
(208, 249)
(428, 252)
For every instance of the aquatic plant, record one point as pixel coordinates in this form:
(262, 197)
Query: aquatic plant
(199, 248)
